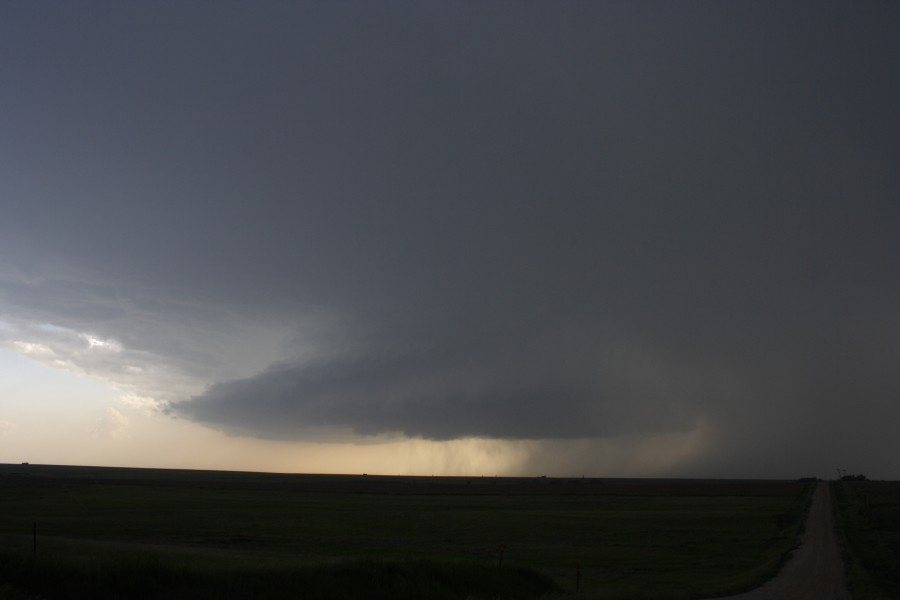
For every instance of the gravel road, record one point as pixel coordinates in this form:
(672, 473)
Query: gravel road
(815, 570)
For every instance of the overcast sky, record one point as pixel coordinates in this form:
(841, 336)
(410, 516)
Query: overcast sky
(632, 238)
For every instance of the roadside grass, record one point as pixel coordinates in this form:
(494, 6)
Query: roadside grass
(228, 533)
(869, 513)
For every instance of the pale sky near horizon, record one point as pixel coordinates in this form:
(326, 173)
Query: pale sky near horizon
(623, 238)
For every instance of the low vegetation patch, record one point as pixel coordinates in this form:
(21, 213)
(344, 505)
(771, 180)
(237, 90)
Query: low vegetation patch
(351, 579)
(870, 525)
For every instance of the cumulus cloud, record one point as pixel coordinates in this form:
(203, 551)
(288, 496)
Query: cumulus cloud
(113, 425)
(145, 404)
(85, 354)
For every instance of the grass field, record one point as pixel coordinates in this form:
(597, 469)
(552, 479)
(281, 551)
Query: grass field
(870, 522)
(215, 534)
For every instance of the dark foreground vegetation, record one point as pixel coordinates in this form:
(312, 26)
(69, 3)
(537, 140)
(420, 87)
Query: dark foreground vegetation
(76, 532)
(870, 526)
(355, 579)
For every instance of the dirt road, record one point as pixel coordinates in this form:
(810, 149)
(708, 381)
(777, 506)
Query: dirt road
(815, 570)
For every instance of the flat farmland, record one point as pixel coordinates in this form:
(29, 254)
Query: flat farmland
(597, 538)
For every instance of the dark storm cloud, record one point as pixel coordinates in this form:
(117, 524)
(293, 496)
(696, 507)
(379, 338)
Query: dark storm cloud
(502, 392)
(530, 220)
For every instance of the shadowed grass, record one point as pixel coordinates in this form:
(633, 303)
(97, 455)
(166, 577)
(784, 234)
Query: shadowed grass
(350, 579)
(870, 526)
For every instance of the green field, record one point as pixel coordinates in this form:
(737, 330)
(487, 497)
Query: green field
(178, 533)
(870, 523)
